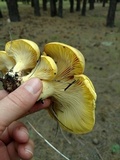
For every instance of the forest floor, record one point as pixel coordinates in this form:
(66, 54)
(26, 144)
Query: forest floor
(101, 48)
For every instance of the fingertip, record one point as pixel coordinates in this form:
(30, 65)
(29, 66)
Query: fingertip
(19, 132)
(33, 86)
(25, 151)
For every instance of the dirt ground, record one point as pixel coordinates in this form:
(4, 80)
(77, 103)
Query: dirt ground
(101, 49)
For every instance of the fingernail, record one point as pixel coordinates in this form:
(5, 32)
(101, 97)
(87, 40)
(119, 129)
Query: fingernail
(29, 150)
(33, 85)
(24, 131)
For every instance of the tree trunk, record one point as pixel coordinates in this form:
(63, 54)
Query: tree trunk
(36, 8)
(83, 13)
(71, 6)
(32, 3)
(44, 5)
(13, 10)
(104, 2)
(25, 1)
(78, 5)
(53, 9)
(111, 13)
(91, 4)
(60, 8)
(1, 16)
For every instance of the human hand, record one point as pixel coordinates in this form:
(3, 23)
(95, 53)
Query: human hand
(14, 139)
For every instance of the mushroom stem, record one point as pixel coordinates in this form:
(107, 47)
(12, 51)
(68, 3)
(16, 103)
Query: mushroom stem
(48, 90)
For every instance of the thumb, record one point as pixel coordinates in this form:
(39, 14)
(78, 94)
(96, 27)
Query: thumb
(18, 102)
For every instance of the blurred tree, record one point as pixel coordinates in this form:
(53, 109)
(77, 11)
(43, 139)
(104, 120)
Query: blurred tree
(104, 2)
(60, 8)
(71, 5)
(13, 10)
(53, 8)
(36, 6)
(44, 5)
(1, 16)
(83, 12)
(91, 4)
(26, 1)
(111, 13)
(59, 12)
(78, 4)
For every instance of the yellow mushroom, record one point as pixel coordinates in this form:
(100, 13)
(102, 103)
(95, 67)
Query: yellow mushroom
(45, 69)
(25, 52)
(61, 70)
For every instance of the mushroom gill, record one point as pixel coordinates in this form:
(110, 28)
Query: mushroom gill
(68, 59)
(74, 104)
(6, 62)
(25, 52)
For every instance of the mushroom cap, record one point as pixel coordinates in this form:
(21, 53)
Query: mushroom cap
(45, 69)
(69, 60)
(74, 107)
(24, 52)
(6, 62)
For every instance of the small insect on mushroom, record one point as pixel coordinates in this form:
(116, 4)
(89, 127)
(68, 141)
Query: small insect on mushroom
(61, 70)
